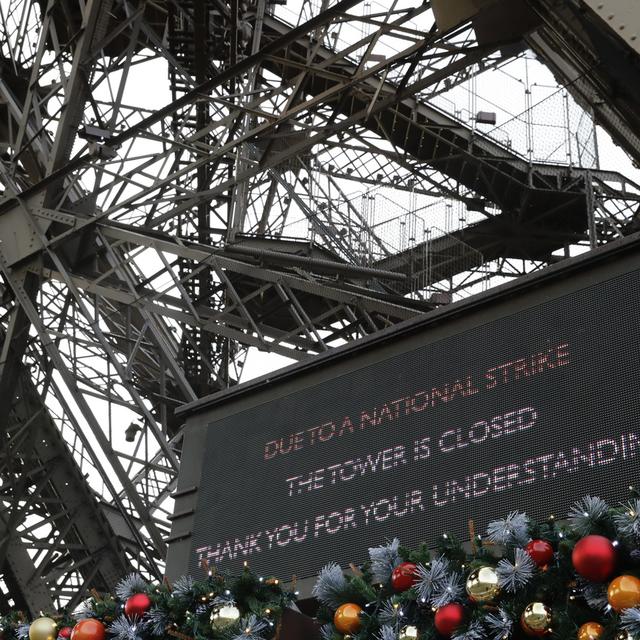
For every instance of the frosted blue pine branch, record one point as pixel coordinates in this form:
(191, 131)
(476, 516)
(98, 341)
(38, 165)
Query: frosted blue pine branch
(84, 610)
(183, 588)
(384, 560)
(512, 530)
(473, 632)
(387, 633)
(595, 594)
(431, 578)
(449, 591)
(251, 628)
(22, 631)
(123, 629)
(586, 513)
(391, 614)
(157, 622)
(327, 631)
(499, 625)
(630, 621)
(330, 585)
(627, 521)
(130, 585)
(514, 576)
(224, 600)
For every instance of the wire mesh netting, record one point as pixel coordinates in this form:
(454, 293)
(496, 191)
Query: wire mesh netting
(552, 129)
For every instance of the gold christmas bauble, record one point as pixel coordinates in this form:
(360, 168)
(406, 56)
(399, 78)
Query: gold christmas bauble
(590, 631)
(224, 616)
(536, 619)
(409, 633)
(347, 618)
(43, 629)
(482, 584)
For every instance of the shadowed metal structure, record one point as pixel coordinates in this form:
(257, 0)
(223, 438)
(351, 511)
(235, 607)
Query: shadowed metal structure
(188, 184)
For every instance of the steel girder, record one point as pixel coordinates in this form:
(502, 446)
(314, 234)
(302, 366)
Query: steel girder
(56, 540)
(598, 65)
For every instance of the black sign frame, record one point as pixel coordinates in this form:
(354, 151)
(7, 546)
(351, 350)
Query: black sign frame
(513, 376)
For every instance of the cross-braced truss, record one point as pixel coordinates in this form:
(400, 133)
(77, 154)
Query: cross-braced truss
(179, 181)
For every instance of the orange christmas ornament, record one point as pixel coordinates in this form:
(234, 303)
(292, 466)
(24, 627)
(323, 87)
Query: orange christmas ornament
(624, 592)
(88, 629)
(590, 631)
(347, 618)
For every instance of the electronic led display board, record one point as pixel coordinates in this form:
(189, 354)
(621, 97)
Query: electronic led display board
(529, 411)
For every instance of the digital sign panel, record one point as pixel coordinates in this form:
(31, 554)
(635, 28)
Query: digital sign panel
(529, 411)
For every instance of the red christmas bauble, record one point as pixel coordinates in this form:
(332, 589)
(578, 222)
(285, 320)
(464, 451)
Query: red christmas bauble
(65, 632)
(89, 629)
(404, 576)
(540, 551)
(594, 558)
(449, 618)
(137, 605)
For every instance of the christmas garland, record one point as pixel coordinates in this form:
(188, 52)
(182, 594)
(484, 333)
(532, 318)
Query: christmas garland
(222, 607)
(579, 578)
(576, 579)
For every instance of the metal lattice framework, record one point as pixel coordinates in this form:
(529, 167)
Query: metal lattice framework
(178, 180)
